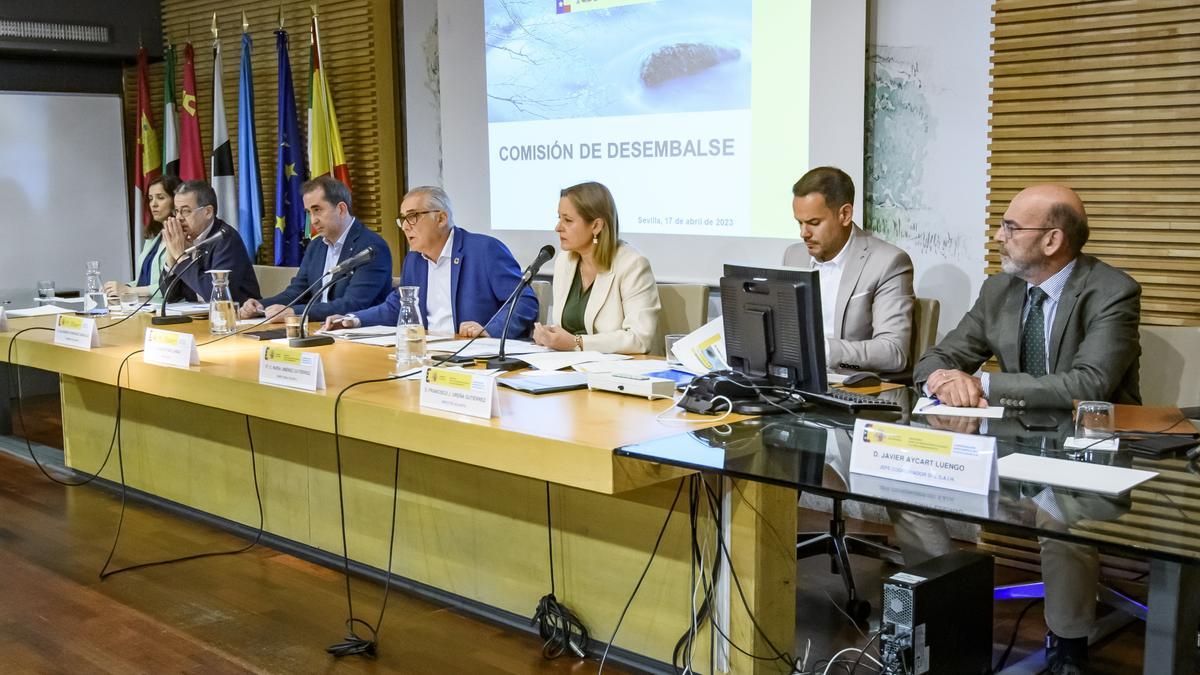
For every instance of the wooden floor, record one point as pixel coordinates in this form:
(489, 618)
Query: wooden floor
(265, 611)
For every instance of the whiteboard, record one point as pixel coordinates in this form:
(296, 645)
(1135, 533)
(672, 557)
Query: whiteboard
(64, 197)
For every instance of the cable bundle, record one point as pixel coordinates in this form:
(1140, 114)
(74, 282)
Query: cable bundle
(560, 629)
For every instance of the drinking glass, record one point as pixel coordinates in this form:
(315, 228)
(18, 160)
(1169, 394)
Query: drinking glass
(1094, 419)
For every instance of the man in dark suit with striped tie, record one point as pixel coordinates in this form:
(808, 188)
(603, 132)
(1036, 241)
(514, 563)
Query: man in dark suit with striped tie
(1063, 327)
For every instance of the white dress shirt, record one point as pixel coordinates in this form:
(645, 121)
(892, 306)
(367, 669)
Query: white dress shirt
(440, 303)
(332, 253)
(831, 279)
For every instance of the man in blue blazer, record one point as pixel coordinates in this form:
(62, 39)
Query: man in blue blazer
(195, 222)
(327, 202)
(464, 277)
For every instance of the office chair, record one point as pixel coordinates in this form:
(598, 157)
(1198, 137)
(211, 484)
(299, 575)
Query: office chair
(837, 543)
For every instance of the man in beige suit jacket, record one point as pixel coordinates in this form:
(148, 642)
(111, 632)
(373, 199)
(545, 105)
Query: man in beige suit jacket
(866, 283)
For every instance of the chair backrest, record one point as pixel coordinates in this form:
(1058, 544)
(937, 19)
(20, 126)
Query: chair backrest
(272, 280)
(926, 313)
(545, 297)
(1170, 365)
(684, 309)
(797, 255)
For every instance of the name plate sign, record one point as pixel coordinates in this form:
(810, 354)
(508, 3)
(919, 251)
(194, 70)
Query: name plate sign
(170, 348)
(292, 368)
(76, 331)
(925, 456)
(460, 391)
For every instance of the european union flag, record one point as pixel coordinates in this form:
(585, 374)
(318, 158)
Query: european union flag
(290, 171)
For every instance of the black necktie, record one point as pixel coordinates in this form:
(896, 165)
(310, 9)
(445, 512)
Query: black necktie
(1033, 336)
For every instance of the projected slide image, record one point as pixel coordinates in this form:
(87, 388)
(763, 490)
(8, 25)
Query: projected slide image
(660, 100)
(557, 59)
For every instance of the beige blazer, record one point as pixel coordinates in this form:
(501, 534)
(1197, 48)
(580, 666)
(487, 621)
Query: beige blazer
(873, 318)
(621, 316)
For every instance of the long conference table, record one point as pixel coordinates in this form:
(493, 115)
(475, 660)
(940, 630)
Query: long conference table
(472, 501)
(471, 514)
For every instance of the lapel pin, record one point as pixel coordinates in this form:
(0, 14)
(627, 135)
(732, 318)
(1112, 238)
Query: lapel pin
(456, 261)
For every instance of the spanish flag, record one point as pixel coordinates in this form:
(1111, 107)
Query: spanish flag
(147, 162)
(325, 154)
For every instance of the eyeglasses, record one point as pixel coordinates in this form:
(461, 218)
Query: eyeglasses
(186, 212)
(1009, 227)
(410, 219)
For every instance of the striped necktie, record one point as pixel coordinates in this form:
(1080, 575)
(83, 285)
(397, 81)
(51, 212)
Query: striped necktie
(1033, 335)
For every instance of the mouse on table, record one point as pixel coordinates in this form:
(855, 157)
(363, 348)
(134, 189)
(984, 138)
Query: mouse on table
(862, 378)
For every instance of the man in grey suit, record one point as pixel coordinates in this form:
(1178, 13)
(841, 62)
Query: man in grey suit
(866, 283)
(1064, 327)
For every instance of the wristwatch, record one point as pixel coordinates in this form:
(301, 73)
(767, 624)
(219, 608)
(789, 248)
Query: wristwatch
(351, 319)
(578, 343)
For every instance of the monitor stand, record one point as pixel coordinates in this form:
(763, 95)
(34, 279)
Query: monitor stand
(769, 404)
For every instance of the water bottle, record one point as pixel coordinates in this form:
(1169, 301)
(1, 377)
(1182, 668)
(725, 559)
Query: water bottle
(410, 331)
(222, 312)
(95, 302)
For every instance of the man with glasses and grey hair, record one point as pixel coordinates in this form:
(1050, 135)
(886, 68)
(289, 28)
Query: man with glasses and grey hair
(195, 221)
(1064, 327)
(463, 277)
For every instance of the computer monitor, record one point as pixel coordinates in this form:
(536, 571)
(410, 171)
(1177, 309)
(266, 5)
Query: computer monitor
(773, 327)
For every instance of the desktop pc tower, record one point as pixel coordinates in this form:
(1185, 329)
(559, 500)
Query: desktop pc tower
(937, 617)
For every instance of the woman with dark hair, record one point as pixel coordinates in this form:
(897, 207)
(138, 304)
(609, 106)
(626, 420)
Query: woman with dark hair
(605, 296)
(161, 196)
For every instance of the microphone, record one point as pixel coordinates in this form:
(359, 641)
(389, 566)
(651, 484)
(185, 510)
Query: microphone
(502, 362)
(162, 318)
(216, 236)
(357, 260)
(542, 258)
(349, 265)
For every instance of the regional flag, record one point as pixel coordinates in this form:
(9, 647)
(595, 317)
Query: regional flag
(221, 159)
(290, 172)
(325, 154)
(170, 145)
(250, 198)
(191, 158)
(147, 162)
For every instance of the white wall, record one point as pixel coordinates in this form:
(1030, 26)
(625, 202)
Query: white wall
(927, 159)
(63, 189)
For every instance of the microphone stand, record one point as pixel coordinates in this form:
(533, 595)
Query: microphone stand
(306, 340)
(500, 361)
(162, 319)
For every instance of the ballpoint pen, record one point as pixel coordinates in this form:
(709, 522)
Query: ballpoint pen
(933, 401)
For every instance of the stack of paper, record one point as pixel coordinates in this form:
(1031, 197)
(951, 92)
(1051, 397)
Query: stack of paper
(44, 310)
(487, 347)
(557, 360)
(1108, 480)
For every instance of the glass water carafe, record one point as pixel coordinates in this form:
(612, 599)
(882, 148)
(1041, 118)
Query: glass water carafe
(95, 301)
(410, 331)
(222, 312)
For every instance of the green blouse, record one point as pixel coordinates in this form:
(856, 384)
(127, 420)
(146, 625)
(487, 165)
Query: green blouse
(576, 303)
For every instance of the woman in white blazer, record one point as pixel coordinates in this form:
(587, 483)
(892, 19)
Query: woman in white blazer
(605, 296)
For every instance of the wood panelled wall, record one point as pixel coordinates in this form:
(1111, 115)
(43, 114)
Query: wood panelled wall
(359, 47)
(1105, 97)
